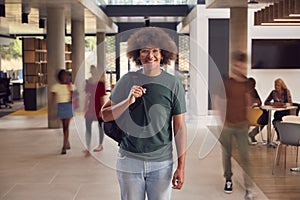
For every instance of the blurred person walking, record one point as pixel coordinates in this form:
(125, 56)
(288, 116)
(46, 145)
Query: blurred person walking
(95, 93)
(237, 100)
(62, 95)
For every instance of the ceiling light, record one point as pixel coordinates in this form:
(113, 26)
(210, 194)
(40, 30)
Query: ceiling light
(253, 2)
(280, 24)
(25, 13)
(294, 8)
(147, 21)
(287, 20)
(25, 18)
(41, 23)
(2, 8)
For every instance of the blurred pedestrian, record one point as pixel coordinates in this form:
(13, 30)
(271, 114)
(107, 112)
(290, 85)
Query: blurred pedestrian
(236, 122)
(95, 93)
(62, 95)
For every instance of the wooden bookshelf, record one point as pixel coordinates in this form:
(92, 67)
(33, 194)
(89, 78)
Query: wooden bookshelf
(34, 62)
(35, 71)
(68, 57)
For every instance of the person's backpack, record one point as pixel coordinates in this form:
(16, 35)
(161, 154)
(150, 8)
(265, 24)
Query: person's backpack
(112, 130)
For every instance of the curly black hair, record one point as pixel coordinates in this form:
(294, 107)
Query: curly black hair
(60, 75)
(154, 37)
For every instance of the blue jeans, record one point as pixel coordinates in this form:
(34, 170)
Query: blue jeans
(138, 178)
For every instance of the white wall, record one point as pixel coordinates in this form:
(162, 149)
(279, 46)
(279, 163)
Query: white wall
(198, 94)
(265, 78)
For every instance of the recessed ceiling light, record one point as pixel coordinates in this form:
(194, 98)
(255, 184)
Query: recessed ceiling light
(253, 2)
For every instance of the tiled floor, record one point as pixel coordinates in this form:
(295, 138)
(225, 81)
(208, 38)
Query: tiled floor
(32, 168)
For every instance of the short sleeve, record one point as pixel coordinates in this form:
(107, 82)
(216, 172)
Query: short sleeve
(121, 89)
(54, 88)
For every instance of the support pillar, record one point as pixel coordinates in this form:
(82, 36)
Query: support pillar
(238, 30)
(78, 53)
(78, 45)
(198, 82)
(101, 52)
(56, 56)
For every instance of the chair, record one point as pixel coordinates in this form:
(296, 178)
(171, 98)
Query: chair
(289, 136)
(253, 115)
(291, 118)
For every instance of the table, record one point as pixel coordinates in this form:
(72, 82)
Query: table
(270, 108)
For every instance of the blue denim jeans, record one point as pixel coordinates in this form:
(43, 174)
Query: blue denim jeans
(138, 178)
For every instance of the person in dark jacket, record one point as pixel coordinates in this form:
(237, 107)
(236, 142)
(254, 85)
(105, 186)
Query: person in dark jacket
(279, 97)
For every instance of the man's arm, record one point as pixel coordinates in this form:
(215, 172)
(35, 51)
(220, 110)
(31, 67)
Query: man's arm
(180, 135)
(255, 98)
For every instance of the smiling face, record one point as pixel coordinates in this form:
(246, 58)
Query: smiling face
(150, 57)
(278, 87)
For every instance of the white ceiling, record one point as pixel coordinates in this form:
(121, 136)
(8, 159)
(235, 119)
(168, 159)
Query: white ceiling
(238, 3)
(11, 23)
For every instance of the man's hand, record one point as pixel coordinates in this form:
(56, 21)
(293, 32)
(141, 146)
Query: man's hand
(178, 179)
(135, 92)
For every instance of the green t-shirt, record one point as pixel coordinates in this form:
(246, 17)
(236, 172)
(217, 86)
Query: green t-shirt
(148, 122)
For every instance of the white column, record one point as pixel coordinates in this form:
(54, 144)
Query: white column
(238, 30)
(78, 44)
(198, 91)
(56, 55)
(78, 53)
(101, 49)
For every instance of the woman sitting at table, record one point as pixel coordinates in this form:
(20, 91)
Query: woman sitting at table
(279, 97)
